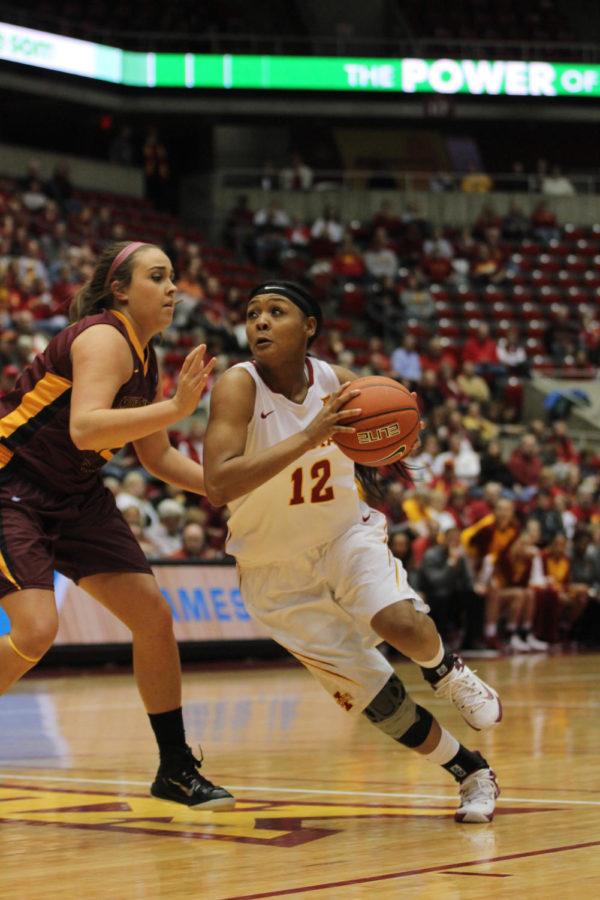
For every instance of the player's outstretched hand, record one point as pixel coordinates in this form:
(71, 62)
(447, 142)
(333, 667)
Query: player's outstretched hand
(192, 381)
(331, 418)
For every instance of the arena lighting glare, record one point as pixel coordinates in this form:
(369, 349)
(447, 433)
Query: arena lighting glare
(510, 78)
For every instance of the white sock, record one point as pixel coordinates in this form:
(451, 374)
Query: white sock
(491, 630)
(435, 661)
(445, 750)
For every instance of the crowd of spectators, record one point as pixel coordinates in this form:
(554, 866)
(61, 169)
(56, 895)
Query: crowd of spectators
(543, 177)
(500, 525)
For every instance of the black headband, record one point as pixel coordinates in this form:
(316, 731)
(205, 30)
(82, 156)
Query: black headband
(297, 294)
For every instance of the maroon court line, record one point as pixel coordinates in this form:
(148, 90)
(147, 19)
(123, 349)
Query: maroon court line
(479, 874)
(407, 872)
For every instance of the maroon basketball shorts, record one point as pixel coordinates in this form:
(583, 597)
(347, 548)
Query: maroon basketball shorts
(78, 534)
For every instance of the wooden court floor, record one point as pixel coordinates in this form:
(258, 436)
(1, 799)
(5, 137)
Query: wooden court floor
(328, 808)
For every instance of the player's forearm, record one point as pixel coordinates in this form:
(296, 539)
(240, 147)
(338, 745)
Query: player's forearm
(174, 468)
(101, 429)
(238, 476)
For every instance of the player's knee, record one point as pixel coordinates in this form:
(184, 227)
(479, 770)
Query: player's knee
(34, 634)
(157, 614)
(395, 713)
(399, 621)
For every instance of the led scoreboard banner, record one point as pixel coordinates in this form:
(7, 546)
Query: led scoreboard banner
(510, 78)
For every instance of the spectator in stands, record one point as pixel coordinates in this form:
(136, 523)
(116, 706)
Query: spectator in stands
(438, 245)
(487, 267)
(461, 457)
(192, 445)
(157, 170)
(298, 237)
(445, 581)
(32, 176)
(544, 223)
(481, 504)
(406, 363)
(439, 357)
(512, 353)
(239, 226)
(557, 185)
(134, 492)
(421, 465)
(34, 198)
(479, 429)
(167, 534)
(60, 187)
(516, 571)
(516, 181)
(400, 545)
(470, 384)
(327, 228)
(481, 349)
(431, 392)
(476, 181)
(135, 520)
(416, 298)
(562, 445)
(348, 263)
(489, 536)
(385, 217)
(120, 150)
(270, 224)
(525, 463)
(379, 361)
(515, 224)
(441, 182)
(562, 333)
(194, 547)
(437, 266)
(297, 176)
(381, 261)
(493, 466)
(586, 509)
(549, 518)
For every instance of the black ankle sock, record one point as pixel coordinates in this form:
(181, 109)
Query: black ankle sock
(168, 730)
(465, 762)
(442, 668)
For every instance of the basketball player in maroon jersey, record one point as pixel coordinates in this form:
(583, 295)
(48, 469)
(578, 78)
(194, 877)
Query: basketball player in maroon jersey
(313, 560)
(95, 388)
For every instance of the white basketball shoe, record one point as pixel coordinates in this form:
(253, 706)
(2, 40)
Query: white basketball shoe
(535, 644)
(476, 701)
(478, 793)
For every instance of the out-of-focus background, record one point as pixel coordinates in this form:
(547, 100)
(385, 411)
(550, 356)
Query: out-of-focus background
(429, 172)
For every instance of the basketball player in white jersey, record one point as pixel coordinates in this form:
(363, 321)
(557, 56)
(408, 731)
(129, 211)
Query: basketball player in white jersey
(313, 559)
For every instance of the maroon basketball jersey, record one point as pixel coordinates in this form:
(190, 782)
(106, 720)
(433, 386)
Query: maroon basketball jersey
(34, 417)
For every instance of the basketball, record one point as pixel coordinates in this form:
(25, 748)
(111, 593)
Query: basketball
(388, 425)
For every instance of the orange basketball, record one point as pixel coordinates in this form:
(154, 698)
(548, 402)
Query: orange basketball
(388, 425)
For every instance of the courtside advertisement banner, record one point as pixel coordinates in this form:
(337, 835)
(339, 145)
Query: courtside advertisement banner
(205, 602)
(510, 78)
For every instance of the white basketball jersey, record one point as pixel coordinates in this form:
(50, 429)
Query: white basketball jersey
(310, 502)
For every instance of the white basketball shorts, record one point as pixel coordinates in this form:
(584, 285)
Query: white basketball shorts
(320, 608)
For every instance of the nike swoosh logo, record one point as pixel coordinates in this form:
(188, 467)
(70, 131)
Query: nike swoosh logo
(366, 518)
(264, 415)
(186, 790)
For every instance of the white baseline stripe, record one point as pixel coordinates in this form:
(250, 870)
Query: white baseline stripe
(265, 789)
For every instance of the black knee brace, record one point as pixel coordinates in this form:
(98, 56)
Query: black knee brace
(396, 714)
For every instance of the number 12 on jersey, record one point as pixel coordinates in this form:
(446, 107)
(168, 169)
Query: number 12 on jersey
(320, 491)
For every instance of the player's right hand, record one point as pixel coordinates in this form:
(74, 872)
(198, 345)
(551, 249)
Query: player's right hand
(331, 418)
(192, 381)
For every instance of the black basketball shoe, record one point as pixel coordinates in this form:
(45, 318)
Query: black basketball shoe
(179, 780)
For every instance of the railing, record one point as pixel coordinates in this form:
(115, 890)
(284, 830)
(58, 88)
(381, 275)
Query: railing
(308, 45)
(393, 180)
